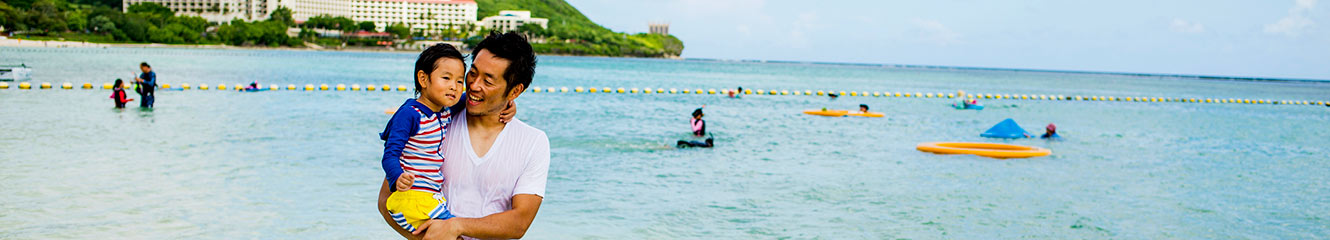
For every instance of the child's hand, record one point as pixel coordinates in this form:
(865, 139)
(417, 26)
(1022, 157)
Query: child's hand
(508, 112)
(404, 181)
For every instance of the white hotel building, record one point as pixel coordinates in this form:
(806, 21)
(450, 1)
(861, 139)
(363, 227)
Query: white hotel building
(420, 15)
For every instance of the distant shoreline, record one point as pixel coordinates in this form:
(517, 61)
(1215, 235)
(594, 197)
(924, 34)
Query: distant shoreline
(10, 42)
(997, 69)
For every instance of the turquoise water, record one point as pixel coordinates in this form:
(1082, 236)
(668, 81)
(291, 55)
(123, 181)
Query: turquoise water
(287, 164)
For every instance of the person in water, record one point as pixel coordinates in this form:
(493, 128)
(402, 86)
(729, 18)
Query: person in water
(253, 86)
(412, 156)
(699, 125)
(1050, 131)
(736, 93)
(833, 95)
(118, 94)
(147, 82)
(699, 129)
(863, 108)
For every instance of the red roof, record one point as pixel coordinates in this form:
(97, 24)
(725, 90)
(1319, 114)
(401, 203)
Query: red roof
(363, 33)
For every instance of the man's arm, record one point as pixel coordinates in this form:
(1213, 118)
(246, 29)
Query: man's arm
(507, 224)
(383, 210)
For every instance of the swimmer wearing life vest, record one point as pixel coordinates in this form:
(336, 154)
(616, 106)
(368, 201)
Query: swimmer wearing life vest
(699, 127)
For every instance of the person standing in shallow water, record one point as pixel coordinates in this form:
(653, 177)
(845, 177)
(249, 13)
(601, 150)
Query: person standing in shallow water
(147, 82)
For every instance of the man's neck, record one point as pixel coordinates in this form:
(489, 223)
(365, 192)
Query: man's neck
(484, 122)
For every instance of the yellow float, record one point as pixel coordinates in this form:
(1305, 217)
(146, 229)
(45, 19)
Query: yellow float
(827, 113)
(993, 150)
(842, 113)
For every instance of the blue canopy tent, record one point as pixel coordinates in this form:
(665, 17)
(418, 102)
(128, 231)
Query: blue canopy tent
(1006, 129)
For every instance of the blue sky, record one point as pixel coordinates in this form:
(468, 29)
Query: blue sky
(1265, 38)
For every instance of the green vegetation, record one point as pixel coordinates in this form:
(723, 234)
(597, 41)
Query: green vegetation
(102, 21)
(570, 32)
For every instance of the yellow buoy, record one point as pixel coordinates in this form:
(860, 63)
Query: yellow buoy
(355, 87)
(203, 86)
(673, 90)
(401, 88)
(238, 87)
(272, 87)
(593, 89)
(749, 91)
(819, 92)
(535, 89)
(619, 90)
(563, 89)
(24, 85)
(67, 85)
(290, 87)
(221, 86)
(341, 87)
(4, 85)
(87, 86)
(579, 89)
(371, 87)
(632, 90)
(309, 87)
(323, 87)
(46, 85)
(698, 91)
(184, 86)
(606, 90)
(164, 85)
(842, 93)
(808, 92)
(784, 92)
(385, 88)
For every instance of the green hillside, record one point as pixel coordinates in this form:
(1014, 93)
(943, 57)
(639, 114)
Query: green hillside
(572, 33)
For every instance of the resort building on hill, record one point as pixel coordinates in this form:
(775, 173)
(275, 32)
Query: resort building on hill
(510, 20)
(420, 15)
(658, 28)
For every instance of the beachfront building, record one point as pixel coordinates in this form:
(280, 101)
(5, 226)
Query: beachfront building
(214, 10)
(428, 16)
(509, 20)
(658, 28)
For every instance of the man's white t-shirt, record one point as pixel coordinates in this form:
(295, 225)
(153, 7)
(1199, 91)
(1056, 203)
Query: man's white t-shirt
(517, 163)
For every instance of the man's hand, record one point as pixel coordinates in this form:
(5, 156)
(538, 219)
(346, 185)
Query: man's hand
(405, 181)
(508, 112)
(439, 230)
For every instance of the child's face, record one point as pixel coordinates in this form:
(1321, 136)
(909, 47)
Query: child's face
(145, 69)
(444, 86)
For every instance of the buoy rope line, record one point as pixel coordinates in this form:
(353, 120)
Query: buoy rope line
(697, 91)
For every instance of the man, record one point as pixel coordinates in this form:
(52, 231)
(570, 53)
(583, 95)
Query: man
(494, 192)
(147, 82)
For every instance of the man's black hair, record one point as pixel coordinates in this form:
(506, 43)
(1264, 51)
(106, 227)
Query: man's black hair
(865, 106)
(697, 112)
(514, 48)
(144, 64)
(430, 57)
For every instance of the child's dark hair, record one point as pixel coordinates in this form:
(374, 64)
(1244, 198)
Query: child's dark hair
(697, 112)
(144, 64)
(119, 83)
(428, 58)
(865, 106)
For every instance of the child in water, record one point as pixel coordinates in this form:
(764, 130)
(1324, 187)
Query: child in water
(118, 94)
(863, 108)
(412, 157)
(699, 130)
(1050, 132)
(699, 125)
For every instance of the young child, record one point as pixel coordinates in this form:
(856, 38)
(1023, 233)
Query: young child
(118, 94)
(412, 159)
(699, 126)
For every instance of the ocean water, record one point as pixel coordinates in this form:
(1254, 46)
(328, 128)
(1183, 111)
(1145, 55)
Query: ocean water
(295, 164)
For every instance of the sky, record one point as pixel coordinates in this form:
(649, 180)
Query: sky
(1241, 38)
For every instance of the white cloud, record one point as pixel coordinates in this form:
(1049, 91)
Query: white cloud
(1295, 22)
(935, 32)
(1183, 26)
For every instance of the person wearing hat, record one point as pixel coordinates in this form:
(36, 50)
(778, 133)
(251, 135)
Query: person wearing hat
(699, 126)
(1050, 132)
